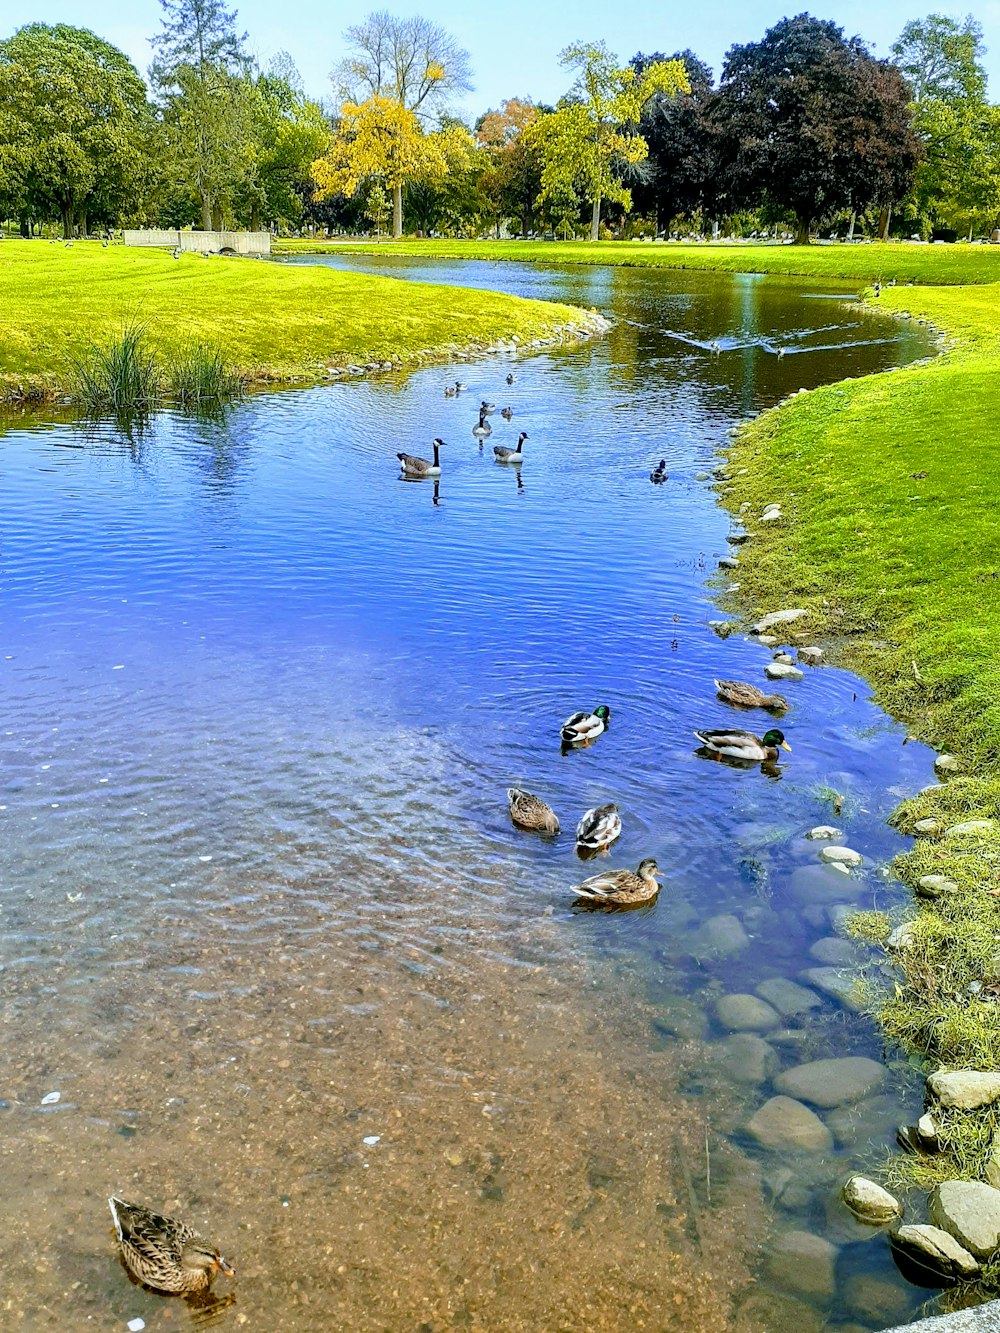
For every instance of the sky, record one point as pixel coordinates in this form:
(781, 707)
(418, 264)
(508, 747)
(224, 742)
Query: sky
(514, 45)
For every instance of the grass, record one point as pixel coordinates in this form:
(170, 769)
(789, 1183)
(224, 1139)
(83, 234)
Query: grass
(865, 264)
(203, 376)
(120, 376)
(272, 322)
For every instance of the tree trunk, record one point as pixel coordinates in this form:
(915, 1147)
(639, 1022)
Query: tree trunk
(206, 213)
(67, 213)
(884, 218)
(850, 229)
(255, 219)
(216, 217)
(397, 212)
(81, 224)
(595, 220)
(801, 233)
(25, 226)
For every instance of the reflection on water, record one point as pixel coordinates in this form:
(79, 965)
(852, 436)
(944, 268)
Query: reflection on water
(262, 901)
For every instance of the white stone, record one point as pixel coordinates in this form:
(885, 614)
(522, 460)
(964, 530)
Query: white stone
(845, 856)
(779, 618)
(832, 1082)
(927, 827)
(934, 1248)
(772, 516)
(811, 656)
(786, 1124)
(935, 886)
(902, 937)
(964, 1088)
(768, 640)
(782, 671)
(947, 763)
(870, 1201)
(971, 826)
(970, 1211)
(824, 833)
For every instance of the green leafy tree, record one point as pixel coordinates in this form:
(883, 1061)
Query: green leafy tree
(942, 58)
(376, 205)
(410, 61)
(74, 126)
(285, 134)
(512, 172)
(590, 137)
(680, 166)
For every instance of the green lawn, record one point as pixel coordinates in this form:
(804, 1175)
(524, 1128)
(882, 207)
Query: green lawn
(275, 322)
(952, 264)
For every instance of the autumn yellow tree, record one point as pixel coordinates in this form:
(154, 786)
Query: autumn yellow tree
(590, 135)
(378, 140)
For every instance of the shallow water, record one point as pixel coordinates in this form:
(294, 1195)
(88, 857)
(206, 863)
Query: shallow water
(261, 899)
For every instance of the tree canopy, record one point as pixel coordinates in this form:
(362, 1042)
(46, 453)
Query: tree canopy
(942, 58)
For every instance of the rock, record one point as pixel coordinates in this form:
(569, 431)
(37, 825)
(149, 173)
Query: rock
(832, 1082)
(745, 1013)
(822, 883)
(785, 1123)
(964, 1088)
(840, 915)
(778, 618)
(845, 856)
(702, 476)
(804, 1264)
(927, 1133)
(902, 937)
(947, 763)
(976, 826)
(787, 996)
(811, 656)
(927, 828)
(777, 1313)
(935, 886)
(930, 1247)
(738, 538)
(677, 1016)
(729, 562)
(868, 1121)
(877, 1299)
(837, 982)
(722, 935)
(784, 658)
(723, 628)
(746, 1058)
(768, 640)
(870, 1201)
(834, 951)
(824, 833)
(970, 1211)
(782, 671)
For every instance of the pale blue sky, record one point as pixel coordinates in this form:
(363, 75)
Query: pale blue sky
(515, 44)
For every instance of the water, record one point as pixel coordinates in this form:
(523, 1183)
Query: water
(261, 900)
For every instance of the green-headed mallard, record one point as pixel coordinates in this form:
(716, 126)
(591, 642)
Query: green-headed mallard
(743, 695)
(599, 827)
(736, 744)
(505, 455)
(419, 467)
(163, 1253)
(582, 728)
(530, 812)
(623, 888)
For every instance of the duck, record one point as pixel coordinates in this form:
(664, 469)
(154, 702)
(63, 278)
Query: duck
(487, 409)
(511, 378)
(506, 413)
(623, 888)
(528, 811)
(744, 695)
(505, 455)
(163, 1253)
(419, 467)
(599, 827)
(736, 744)
(451, 391)
(484, 428)
(460, 387)
(582, 728)
(659, 473)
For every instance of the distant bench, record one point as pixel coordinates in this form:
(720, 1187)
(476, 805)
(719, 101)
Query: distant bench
(204, 242)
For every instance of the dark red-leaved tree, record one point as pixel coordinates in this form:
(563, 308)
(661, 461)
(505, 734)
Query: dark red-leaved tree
(808, 121)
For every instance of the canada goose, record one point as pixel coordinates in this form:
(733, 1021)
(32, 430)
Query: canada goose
(487, 408)
(483, 429)
(504, 455)
(419, 467)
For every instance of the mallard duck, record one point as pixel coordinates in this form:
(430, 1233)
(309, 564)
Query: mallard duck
(419, 467)
(623, 888)
(164, 1253)
(748, 696)
(659, 473)
(530, 812)
(484, 428)
(582, 728)
(506, 413)
(599, 827)
(505, 455)
(736, 744)
(511, 378)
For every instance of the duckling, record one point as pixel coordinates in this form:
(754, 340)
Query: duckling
(505, 455)
(506, 413)
(530, 812)
(419, 467)
(511, 378)
(599, 827)
(163, 1253)
(484, 429)
(737, 744)
(659, 473)
(623, 888)
(582, 728)
(744, 695)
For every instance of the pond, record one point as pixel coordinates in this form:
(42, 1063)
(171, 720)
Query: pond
(267, 929)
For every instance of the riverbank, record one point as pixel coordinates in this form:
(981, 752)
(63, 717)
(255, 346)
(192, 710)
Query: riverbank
(886, 263)
(277, 324)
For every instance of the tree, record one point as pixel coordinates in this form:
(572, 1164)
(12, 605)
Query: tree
(200, 33)
(74, 125)
(941, 58)
(410, 61)
(811, 123)
(590, 137)
(286, 133)
(680, 143)
(512, 176)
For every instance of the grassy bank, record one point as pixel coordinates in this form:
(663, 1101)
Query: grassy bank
(274, 323)
(864, 264)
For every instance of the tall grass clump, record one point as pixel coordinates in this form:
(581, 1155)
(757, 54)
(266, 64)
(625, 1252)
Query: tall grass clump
(121, 376)
(202, 376)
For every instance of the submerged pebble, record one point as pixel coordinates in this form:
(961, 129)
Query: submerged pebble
(840, 856)
(824, 833)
